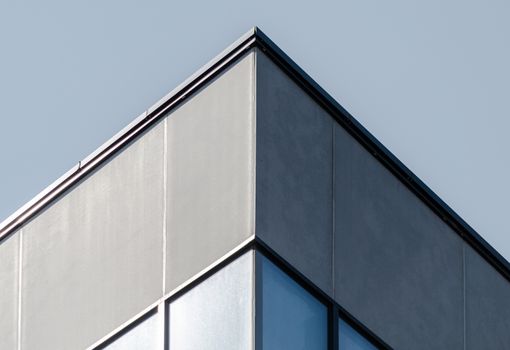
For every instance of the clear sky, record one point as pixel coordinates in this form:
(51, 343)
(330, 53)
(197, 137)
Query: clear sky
(430, 79)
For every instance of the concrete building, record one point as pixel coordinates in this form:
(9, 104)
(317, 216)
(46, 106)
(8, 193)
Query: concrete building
(247, 210)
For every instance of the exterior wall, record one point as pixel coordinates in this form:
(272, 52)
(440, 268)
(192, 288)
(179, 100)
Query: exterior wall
(392, 263)
(398, 266)
(184, 194)
(169, 205)
(294, 174)
(9, 282)
(487, 305)
(210, 173)
(94, 258)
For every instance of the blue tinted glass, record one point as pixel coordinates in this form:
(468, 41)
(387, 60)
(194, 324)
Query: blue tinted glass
(291, 317)
(349, 339)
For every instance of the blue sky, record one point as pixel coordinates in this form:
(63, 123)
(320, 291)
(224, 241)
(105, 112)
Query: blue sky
(430, 79)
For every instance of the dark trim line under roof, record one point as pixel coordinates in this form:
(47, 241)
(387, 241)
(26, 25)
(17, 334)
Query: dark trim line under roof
(256, 38)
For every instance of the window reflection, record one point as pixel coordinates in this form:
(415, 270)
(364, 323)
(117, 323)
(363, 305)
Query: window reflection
(291, 317)
(145, 336)
(217, 313)
(349, 339)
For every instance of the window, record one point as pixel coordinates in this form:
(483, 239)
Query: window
(146, 335)
(217, 313)
(291, 317)
(349, 339)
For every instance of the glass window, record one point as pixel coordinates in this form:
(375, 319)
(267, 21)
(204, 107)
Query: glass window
(144, 336)
(217, 313)
(291, 317)
(349, 339)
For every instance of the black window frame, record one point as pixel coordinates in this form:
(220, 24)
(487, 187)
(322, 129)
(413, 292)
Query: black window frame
(334, 310)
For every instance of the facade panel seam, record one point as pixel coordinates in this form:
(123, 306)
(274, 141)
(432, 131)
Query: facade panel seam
(254, 143)
(464, 295)
(254, 196)
(256, 38)
(333, 207)
(20, 281)
(165, 178)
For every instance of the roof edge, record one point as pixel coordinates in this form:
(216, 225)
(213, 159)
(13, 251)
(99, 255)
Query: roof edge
(256, 38)
(148, 118)
(385, 156)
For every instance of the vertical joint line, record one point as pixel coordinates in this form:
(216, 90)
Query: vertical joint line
(20, 275)
(333, 209)
(464, 295)
(165, 196)
(253, 125)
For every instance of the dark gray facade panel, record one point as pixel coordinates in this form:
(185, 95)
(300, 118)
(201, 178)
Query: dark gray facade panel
(398, 267)
(9, 276)
(487, 305)
(94, 259)
(210, 173)
(294, 174)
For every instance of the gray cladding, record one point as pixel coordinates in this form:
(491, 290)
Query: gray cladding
(294, 174)
(487, 305)
(9, 281)
(94, 258)
(210, 173)
(398, 266)
(250, 153)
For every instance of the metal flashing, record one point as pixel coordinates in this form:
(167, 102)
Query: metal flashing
(258, 246)
(256, 38)
(380, 152)
(127, 134)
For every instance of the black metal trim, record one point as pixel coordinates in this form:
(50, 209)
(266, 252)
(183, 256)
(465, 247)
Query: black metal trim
(335, 310)
(210, 272)
(156, 115)
(260, 40)
(166, 328)
(360, 328)
(380, 152)
(333, 315)
(258, 302)
(258, 246)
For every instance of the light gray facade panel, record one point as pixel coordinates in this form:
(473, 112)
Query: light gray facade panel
(9, 276)
(248, 153)
(294, 174)
(487, 305)
(398, 267)
(210, 173)
(94, 259)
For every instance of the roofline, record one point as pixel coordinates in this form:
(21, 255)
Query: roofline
(141, 123)
(255, 38)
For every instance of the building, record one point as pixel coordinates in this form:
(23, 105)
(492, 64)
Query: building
(247, 210)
